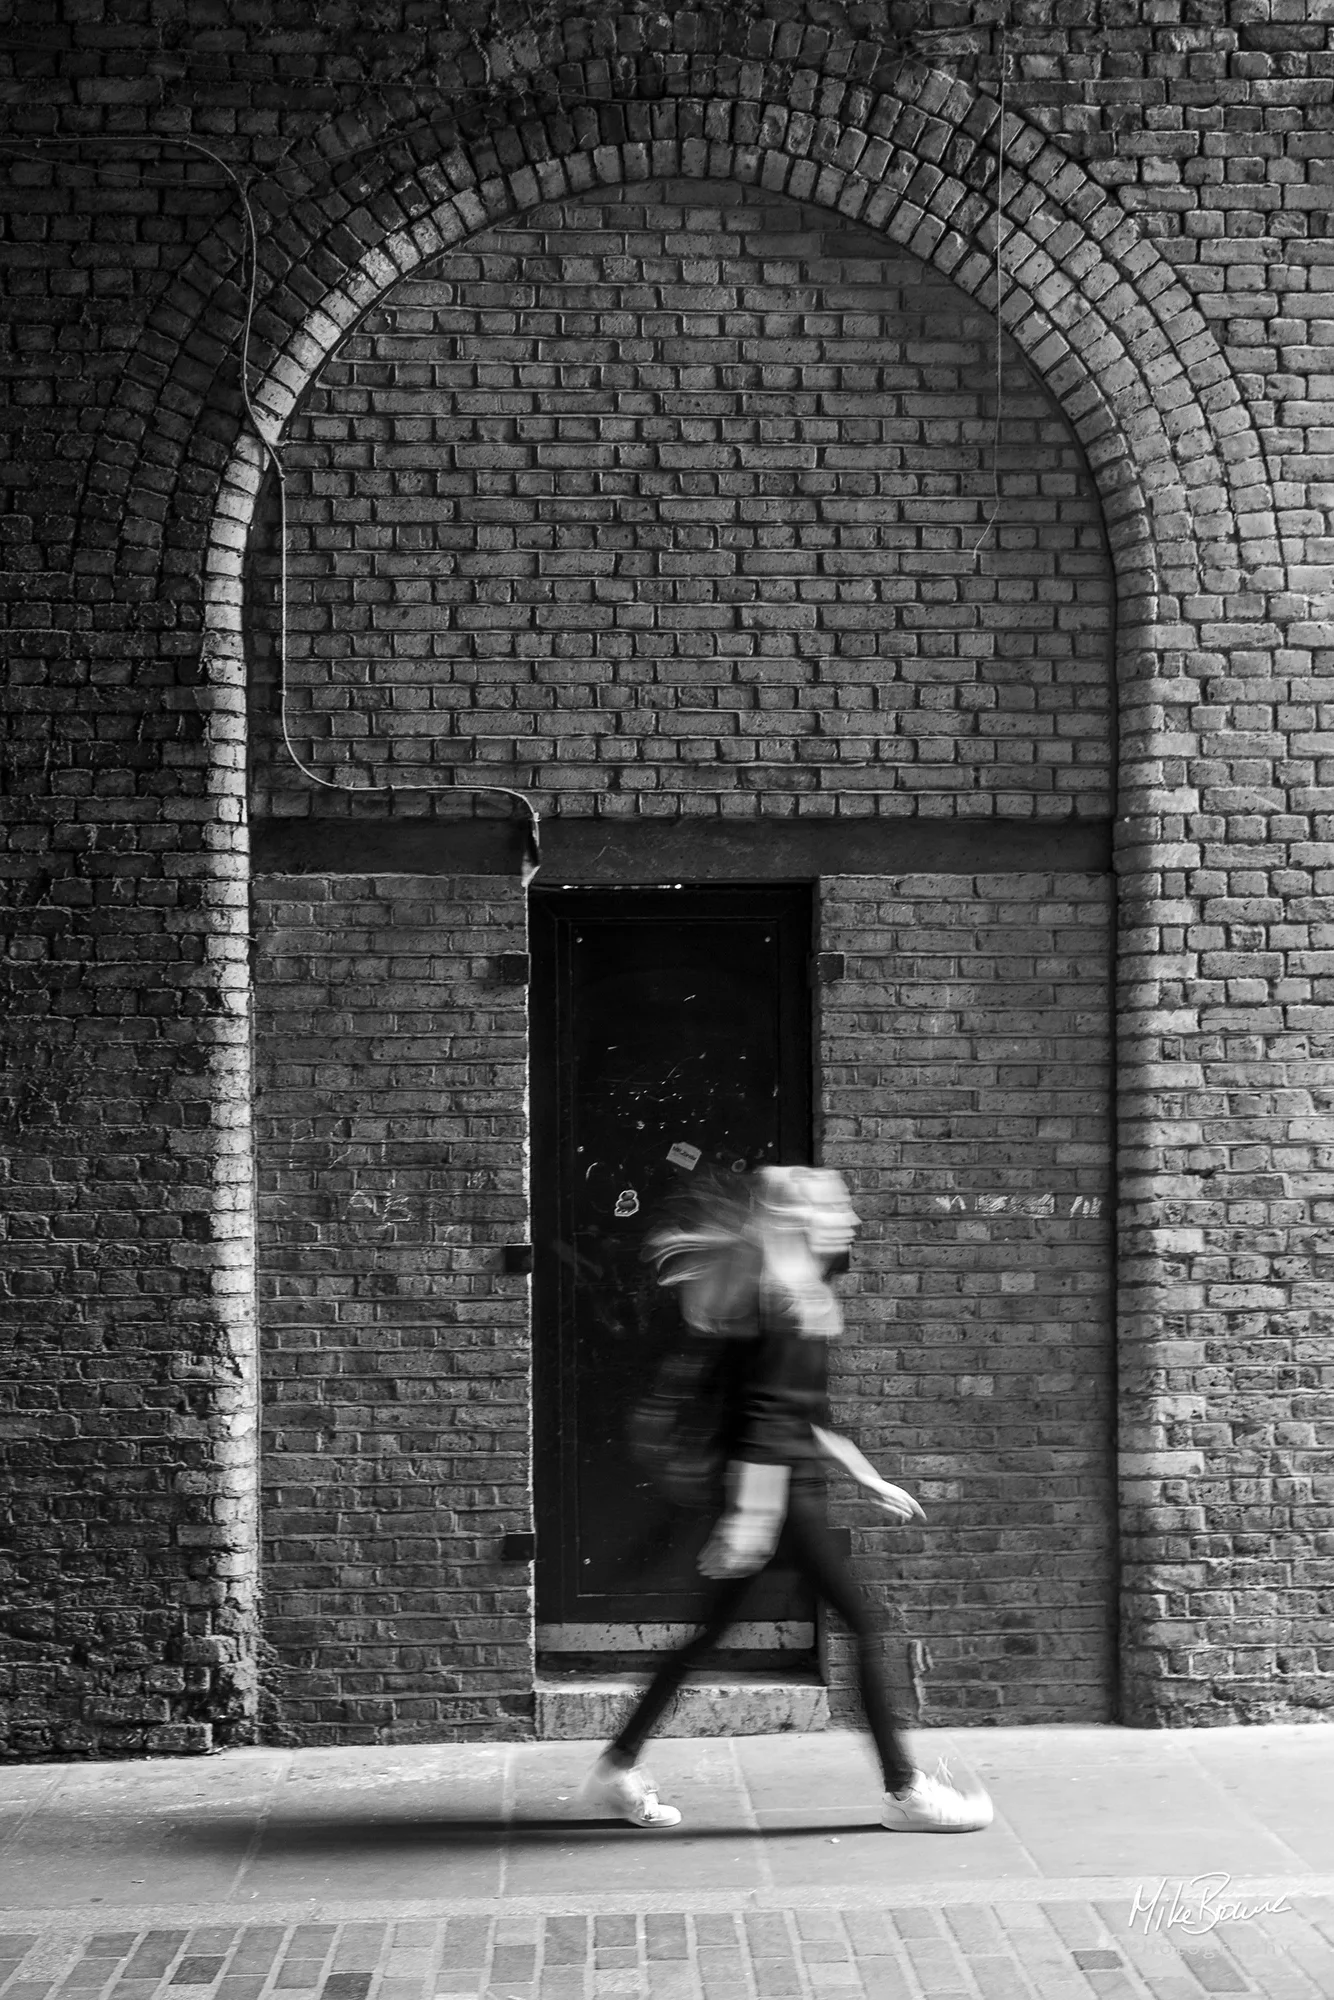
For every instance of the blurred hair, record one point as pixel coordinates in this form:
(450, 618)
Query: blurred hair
(737, 1252)
(702, 1249)
(792, 1281)
(788, 1194)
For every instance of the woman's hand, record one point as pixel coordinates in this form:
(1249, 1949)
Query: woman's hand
(747, 1534)
(740, 1545)
(893, 1500)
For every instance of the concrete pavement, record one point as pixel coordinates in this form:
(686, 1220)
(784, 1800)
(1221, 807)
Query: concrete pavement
(1122, 1862)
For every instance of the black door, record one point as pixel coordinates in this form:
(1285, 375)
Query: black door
(671, 1043)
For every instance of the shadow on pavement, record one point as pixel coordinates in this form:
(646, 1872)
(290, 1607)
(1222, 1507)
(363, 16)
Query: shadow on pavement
(311, 1836)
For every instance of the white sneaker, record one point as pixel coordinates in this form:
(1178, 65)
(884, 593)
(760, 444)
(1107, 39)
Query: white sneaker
(630, 1793)
(935, 1805)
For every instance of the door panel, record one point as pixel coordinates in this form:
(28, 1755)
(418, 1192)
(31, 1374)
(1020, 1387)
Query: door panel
(671, 1044)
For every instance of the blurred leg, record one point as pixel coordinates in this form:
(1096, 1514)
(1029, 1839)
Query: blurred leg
(808, 1545)
(720, 1612)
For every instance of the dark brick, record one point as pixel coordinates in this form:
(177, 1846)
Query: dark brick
(565, 1941)
(715, 1929)
(1214, 1970)
(155, 1953)
(665, 1936)
(258, 1948)
(511, 1962)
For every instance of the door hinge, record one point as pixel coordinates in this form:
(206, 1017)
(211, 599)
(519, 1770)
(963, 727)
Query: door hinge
(514, 968)
(826, 967)
(518, 1548)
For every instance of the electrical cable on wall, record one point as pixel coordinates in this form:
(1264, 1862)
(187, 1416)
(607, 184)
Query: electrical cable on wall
(269, 444)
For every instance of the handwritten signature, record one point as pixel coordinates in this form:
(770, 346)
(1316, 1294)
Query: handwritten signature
(1197, 1905)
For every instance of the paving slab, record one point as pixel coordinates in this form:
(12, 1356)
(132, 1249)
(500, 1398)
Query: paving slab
(557, 1837)
(1149, 1866)
(414, 1822)
(1273, 1789)
(685, 1954)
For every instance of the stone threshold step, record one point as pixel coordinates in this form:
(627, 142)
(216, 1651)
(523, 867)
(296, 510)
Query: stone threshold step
(584, 1708)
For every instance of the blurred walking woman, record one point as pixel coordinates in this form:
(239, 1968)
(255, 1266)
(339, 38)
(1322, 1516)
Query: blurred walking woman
(768, 1293)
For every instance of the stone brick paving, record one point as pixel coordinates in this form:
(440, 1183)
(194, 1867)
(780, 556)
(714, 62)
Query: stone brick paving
(1014, 1950)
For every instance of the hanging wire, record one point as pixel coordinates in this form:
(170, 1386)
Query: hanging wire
(34, 147)
(998, 420)
(271, 448)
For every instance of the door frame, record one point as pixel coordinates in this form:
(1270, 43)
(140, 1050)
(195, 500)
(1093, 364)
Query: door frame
(553, 911)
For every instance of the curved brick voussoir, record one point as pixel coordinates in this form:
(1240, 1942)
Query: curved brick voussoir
(815, 98)
(1083, 295)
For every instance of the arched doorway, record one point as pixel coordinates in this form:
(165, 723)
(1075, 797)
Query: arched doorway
(680, 497)
(1119, 344)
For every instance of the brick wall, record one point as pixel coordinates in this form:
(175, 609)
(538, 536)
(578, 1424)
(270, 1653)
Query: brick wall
(1165, 263)
(666, 500)
(964, 1067)
(391, 1153)
(966, 1091)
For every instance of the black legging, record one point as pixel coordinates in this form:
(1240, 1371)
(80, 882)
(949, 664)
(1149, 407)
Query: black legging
(807, 1545)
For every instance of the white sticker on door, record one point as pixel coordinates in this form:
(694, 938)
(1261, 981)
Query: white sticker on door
(682, 1155)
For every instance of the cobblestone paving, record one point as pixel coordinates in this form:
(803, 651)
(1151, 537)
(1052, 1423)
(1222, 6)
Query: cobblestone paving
(957, 1951)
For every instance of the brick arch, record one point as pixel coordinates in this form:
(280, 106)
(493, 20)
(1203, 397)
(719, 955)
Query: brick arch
(1113, 335)
(1094, 306)
(1097, 311)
